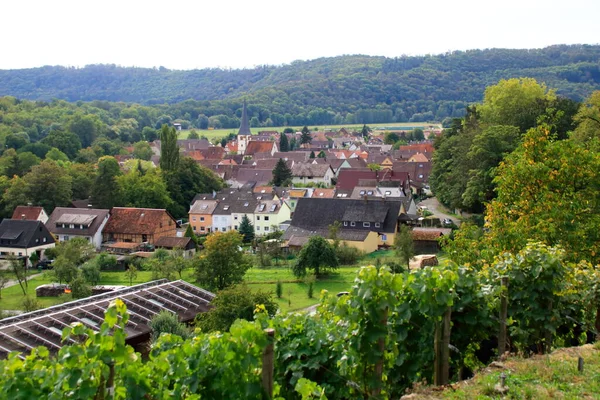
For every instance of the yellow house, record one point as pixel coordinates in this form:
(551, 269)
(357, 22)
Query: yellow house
(269, 214)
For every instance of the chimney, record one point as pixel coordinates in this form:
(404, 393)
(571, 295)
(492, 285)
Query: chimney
(29, 204)
(89, 206)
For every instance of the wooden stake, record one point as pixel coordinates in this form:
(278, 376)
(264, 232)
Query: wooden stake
(442, 349)
(268, 364)
(503, 316)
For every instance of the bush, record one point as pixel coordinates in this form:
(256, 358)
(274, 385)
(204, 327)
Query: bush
(348, 255)
(279, 289)
(31, 304)
(167, 322)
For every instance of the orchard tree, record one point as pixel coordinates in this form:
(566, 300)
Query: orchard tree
(317, 255)
(223, 262)
(365, 132)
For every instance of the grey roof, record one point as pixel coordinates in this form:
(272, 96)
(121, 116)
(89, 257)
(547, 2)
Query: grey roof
(299, 236)
(318, 213)
(267, 207)
(203, 207)
(91, 217)
(24, 234)
(44, 327)
(310, 169)
(244, 124)
(259, 176)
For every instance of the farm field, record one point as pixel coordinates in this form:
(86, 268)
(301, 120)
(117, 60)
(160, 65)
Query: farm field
(219, 133)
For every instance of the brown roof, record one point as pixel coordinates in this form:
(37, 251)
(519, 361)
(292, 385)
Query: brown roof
(324, 193)
(213, 153)
(135, 220)
(429, 234)
(173, 242)
(27, 212)
(255, 146)
(419, 157)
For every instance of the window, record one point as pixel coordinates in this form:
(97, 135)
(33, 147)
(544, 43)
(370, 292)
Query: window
(388, 192)
(223, 229)
(420, 176)
(258, 228)
(194, 227)
(293, 204)
(194, 219)
(366, 224)
(420, 165)
(377, 224)
(266, 217)
(225, 208)
(44, 240)
(246, 204)
(201, 219)
(352, 223)
(235, 227)
(370, 193)
(384, 237)
(266, 228)
(72, 226)
(65, 237)
(345, 223)
(235, 217)
(362, 192)
(202, 229)
(258, 217)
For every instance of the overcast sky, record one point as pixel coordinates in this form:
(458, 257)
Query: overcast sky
(191, 34)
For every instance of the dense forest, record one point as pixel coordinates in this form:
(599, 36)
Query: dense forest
(345, 89)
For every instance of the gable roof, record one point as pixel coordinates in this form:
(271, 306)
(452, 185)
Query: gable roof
(319, 213)
(205, 207)
(27, 212)
(131, 220)
(429, 234)
(91, 217)
(23, 233)
(256, 146)
(259, 176)
(310, 169)
(349, 178)
(174, 242)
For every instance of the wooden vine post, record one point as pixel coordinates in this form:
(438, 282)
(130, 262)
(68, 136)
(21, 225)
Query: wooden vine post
(379, 366)
(503, 316)
(441, 370)
(268, 364)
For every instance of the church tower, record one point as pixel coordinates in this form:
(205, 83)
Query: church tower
(244, 134)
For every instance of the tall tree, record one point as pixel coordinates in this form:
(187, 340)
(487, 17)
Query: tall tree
(548, 191)
(365, 132)
(246, 229)
(48, 185)
(282, 174)
(284, 144)
(404, 245)
(169, 151)
(106, 192)
(306, 138)
(147, 190)
(588, 122)
(223, 262)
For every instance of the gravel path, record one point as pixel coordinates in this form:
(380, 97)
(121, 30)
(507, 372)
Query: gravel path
(438, 210)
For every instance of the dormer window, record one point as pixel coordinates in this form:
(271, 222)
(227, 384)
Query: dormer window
(345, 223)
(366, 224)
(377, 224)
(352, 223)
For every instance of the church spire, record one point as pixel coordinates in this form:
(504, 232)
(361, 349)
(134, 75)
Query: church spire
(244, 125)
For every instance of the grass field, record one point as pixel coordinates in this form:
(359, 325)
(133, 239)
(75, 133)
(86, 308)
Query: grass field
(220, 133)
(553, 376)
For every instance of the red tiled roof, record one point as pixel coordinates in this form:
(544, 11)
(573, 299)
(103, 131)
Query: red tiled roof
(135, 220)
(213, 153)
(256, 146)
(27, 212)
(324, 193)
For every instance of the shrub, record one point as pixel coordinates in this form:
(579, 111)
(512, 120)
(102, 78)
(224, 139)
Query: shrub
(167, 322)
(348, 255)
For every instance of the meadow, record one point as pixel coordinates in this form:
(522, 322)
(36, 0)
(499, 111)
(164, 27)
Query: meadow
(220, 133)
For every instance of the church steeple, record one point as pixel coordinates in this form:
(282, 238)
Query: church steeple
(245, 124)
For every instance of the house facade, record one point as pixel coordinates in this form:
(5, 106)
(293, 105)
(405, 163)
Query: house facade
(268, 216)
(88, 223)
(201, 216)
(305, 173)
(138, 225)
(22, 238)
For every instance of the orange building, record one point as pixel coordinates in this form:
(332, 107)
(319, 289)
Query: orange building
(201, 216)
(137, 225)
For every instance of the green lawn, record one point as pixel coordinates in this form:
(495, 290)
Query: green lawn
(219, 133)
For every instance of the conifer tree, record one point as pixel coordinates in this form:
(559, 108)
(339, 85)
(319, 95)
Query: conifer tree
(246, 229)
(284, 144)
(305, 138)
(282, 174)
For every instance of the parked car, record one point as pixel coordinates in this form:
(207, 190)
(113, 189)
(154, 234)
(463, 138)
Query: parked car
(44, 264)
(448, 222)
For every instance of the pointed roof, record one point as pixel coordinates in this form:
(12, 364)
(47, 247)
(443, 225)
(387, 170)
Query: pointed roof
(245, 124)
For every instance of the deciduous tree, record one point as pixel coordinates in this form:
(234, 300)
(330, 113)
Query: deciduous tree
(317, 255)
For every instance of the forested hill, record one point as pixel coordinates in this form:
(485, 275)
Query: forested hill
(370, 89)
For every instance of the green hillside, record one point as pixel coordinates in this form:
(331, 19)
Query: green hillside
(344, 89)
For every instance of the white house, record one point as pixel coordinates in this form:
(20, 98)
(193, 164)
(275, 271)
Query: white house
(88, 223)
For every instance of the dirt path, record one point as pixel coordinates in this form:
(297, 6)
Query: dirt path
(438, 210)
